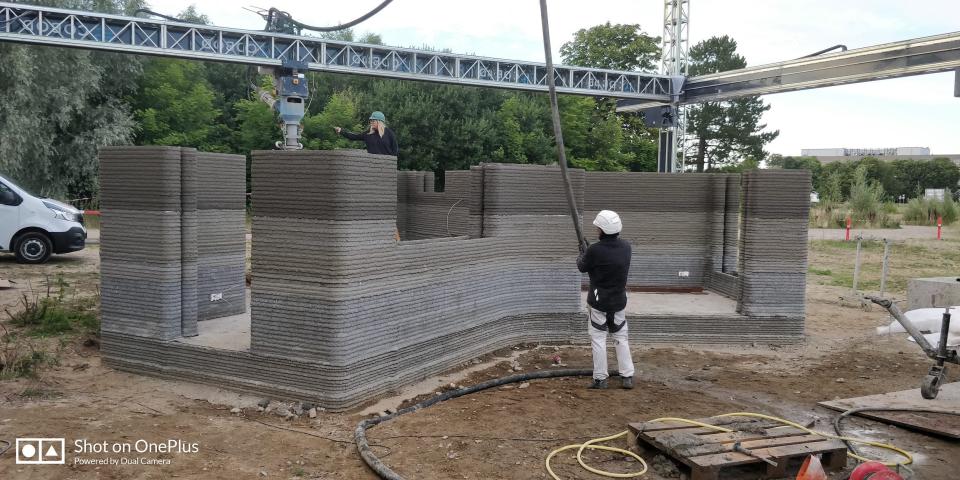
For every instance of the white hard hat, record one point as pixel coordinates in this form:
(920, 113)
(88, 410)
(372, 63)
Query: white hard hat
(608, 221)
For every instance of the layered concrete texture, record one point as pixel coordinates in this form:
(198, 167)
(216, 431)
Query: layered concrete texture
(773, 243)
(933, 292)
(172, 234)
(681, 226)
(424, 213)
(344, 294)
(342, 311)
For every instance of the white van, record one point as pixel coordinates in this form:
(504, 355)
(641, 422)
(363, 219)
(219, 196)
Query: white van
(34, 228)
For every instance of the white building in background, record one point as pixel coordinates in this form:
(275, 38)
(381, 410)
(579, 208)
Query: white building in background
(829, 155)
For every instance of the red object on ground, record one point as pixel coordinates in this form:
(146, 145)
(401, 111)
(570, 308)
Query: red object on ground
(847, 239)
(812, 469)
(939, 226)
(91, 212)
(874, 471)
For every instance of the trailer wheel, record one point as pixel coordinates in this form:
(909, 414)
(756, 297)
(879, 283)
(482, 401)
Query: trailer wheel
(930, 387)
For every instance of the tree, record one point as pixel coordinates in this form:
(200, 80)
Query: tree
(175, 106)
(340, 111)
(58, 105)
(618, 141)
(724, 132)
(523, 127)
(618, 47)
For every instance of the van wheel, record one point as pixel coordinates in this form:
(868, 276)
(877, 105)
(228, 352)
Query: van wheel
(33, 247)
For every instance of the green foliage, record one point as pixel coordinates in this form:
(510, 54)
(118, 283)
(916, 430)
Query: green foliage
(175, 106)
(599, 138)
(724, 132)
(924, 211)
(523, 123)
(58, 105)
(56, 313)
(866, 197)
(619, 47)
(20, 358)
(834, 180)
(340, 111)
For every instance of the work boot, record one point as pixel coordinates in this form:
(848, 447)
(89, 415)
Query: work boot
(627, 383)
(598, 384)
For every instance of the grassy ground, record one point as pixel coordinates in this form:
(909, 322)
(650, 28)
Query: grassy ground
(831, 262)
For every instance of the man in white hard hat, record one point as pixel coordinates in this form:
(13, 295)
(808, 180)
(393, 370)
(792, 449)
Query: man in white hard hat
(608, 262)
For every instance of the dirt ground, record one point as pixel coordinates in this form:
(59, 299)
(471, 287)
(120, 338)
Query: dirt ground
(502, 433)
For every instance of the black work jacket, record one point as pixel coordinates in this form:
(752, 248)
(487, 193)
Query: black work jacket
(607, 262)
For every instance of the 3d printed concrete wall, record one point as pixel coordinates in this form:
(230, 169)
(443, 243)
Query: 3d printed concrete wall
(172, 235)
(342, 311)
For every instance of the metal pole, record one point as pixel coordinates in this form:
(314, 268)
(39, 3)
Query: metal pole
(557, 131)
(856, 265)
(886, 265)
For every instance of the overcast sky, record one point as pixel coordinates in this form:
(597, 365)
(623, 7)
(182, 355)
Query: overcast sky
(916, 111)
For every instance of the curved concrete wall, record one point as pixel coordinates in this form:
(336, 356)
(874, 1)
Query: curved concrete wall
(342, 311)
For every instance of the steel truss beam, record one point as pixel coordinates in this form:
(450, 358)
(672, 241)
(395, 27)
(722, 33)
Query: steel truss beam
(940, 53)
(67, 28)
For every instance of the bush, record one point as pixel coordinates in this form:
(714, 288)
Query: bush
(19, 358)
(56, 314)
(924, 211)
(866, 198)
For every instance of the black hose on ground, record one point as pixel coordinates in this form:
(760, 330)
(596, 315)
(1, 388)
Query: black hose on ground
(550, 79)
(854, 411)
(360, 434)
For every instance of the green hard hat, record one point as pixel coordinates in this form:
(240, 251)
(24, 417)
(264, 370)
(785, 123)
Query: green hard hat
(378, 116)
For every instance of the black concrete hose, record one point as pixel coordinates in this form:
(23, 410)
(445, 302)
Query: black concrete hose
(384, 472)
(557, 130)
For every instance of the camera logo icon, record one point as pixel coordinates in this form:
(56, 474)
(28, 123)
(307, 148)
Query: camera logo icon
(41, 451)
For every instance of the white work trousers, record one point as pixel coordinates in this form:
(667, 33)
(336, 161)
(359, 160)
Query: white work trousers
(598, 339)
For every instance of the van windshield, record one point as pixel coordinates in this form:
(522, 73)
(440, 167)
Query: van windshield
(5, 183)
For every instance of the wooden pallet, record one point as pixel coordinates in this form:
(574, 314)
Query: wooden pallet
(707, 453)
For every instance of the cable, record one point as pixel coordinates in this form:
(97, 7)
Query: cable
(384, 472)
(274, 12)
(841, 47)
(311, 434)
(165, 17)
(589, 445)
(850, 454)
(854, 411)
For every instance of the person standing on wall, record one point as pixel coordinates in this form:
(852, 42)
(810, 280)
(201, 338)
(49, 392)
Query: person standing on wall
(608, 262)
(379, 139)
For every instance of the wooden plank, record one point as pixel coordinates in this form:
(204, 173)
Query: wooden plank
(777, 454)
(941, 425)
(748, 436)
(639, 427)
(695, 452)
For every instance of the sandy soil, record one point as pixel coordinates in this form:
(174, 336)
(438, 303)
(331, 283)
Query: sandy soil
(502, 433)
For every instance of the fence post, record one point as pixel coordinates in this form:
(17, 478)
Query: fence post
(847, 237)
(886, 264)
(856, 266)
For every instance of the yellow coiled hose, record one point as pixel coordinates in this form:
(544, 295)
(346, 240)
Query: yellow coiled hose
(591, 444)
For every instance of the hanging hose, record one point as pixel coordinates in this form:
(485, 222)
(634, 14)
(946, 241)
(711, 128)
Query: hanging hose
(275, 13)
(550, 80)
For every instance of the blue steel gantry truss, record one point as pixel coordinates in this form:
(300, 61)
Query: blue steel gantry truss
(88, 30)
